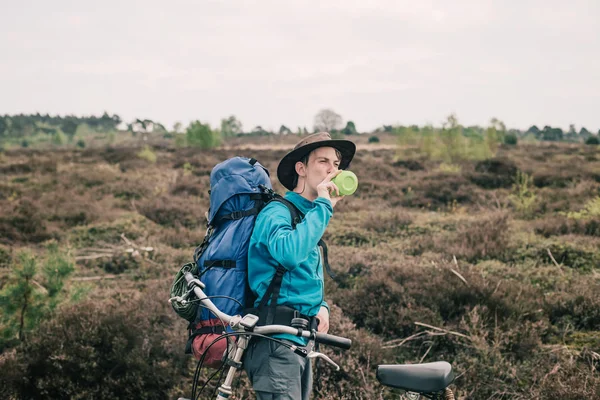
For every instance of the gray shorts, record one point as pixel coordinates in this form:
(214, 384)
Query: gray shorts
(276, 372)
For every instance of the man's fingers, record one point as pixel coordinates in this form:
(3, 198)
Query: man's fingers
(331, 175)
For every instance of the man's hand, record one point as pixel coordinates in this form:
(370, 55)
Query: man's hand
(323, 317)
(327, 188)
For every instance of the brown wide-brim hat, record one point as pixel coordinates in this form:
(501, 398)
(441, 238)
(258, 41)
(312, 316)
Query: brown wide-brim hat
(286, 171)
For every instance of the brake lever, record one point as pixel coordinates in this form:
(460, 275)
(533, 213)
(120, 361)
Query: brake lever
(316, 354)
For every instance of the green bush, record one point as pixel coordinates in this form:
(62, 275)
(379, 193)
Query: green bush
(147, 154)
(59, 138)
(591, 210)
(373, 139)
(523, 198)
(200, 135)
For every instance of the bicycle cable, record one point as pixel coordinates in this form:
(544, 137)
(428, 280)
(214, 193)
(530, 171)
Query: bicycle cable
(201, 361)
(220, 337)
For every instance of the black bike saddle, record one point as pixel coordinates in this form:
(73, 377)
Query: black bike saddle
(419, 378)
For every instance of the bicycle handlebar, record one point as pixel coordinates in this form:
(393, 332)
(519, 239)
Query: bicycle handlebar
(324, 338)
(332, 340)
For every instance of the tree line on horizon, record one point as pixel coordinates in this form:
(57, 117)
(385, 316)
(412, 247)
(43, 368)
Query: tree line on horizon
(73, 129)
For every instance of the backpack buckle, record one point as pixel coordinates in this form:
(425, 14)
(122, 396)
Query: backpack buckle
(237, 215)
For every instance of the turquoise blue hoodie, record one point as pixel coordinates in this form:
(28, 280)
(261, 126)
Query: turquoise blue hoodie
(274, 242)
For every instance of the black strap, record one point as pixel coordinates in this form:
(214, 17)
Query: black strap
(238, 215)
(219, 263)
(253, 161)
(218, 329)
(326, 259)
(272, 291)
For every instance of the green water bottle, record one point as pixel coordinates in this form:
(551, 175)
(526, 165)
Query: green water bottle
(347, 182)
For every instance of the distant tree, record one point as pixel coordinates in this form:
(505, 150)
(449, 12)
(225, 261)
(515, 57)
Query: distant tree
(388, 128)
(552, 134)
(584, 133)
(373, 139)
(571, 134)
(534, 130)
(145, 127)
(592, 140)
(259, 131)
(3, 126)
(230, 126)
(327, 120)
(69, 127)
(350, 128)
(284, 130)
(494, 135)
(200, 135)
(177, 127)
(107, 122)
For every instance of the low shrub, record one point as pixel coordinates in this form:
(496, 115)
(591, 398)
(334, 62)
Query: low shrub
(485, 238)
(173, 212)
(494, 173)
(99, 351)
(561, 225)
(23, 224)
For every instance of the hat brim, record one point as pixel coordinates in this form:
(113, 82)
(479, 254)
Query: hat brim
(286, 170)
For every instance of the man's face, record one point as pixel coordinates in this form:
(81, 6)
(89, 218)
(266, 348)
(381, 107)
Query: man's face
(321, 162)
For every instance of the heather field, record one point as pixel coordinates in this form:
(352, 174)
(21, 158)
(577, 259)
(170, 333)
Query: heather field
(491, 265)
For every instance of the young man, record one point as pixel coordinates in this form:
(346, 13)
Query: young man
(275, 371)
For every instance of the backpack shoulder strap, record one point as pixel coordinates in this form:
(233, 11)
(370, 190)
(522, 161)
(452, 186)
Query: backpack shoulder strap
(296, 214)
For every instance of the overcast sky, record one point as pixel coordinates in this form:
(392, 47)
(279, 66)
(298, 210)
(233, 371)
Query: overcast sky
(276, 62)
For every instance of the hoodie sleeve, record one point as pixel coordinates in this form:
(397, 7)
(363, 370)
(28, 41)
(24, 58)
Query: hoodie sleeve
(288, 246)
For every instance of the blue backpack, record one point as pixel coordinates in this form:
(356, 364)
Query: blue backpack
(239, 189)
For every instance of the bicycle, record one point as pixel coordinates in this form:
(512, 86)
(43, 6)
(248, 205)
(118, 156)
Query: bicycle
(430, 380)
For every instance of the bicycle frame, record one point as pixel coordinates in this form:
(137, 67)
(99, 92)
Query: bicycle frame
(247, 324)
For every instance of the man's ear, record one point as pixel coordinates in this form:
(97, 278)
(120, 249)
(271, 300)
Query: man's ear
(300, 169)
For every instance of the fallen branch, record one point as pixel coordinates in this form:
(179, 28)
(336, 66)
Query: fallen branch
(553, 260)
(399, 342)
(93, 278)
(93, 256)
(442, 330)
(462, 278)
(427, 352)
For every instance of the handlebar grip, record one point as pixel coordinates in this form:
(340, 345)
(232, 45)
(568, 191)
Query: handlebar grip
(332, 340)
